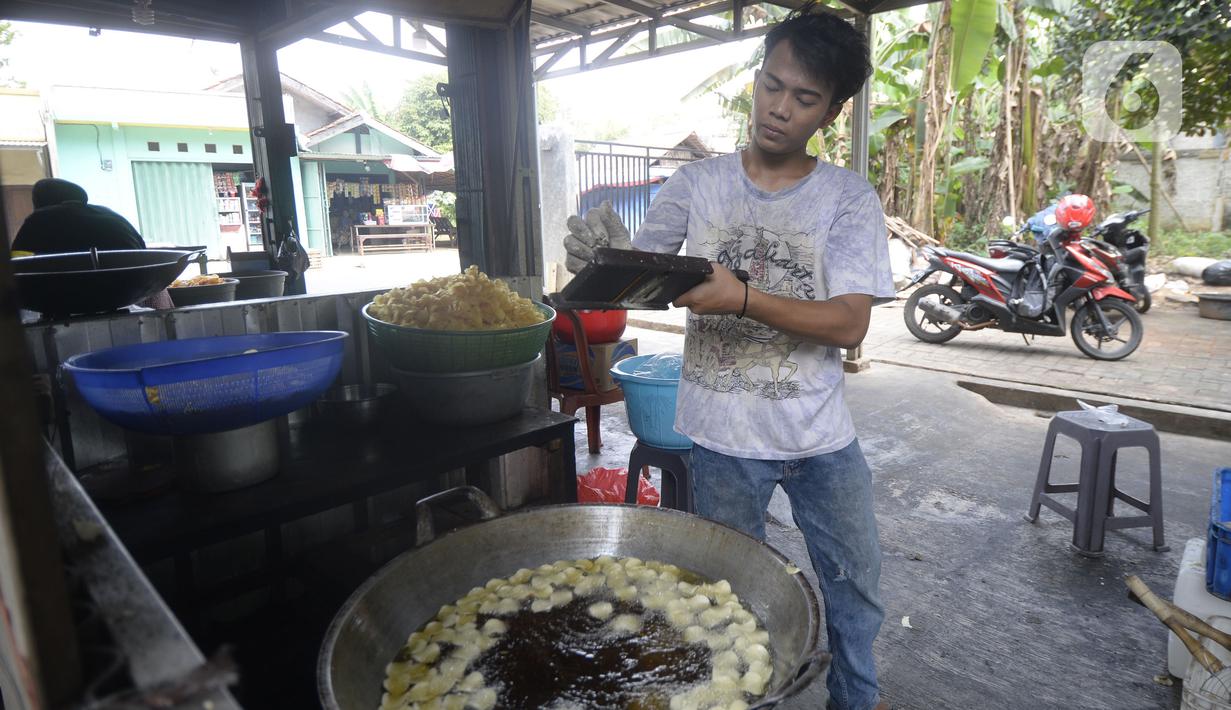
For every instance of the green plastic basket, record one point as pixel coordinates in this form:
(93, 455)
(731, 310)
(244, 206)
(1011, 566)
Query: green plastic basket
(421, 350)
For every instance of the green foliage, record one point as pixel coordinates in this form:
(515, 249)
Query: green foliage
(7, 35)
(421, 114)
(547, 106)
(361, 98)
(447, 202)
(1200, 31)
(1176, 243)
(974, 30)
(966, 238)
(970, 164)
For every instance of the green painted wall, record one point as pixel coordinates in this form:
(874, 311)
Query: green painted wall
(82, 147)
(176, 204)
(315, 215)
(341, 143)
(372, 143)
(81, 150)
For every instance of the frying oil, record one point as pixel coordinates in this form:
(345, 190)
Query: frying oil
(566, 657)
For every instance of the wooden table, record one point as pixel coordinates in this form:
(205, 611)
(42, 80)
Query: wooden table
(393, 237)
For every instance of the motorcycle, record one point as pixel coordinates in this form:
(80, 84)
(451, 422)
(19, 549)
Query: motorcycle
(1124, 250)
(1121, 249)
(1029, 292)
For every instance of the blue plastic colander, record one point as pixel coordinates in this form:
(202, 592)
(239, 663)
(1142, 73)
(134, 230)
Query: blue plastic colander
(206, 385)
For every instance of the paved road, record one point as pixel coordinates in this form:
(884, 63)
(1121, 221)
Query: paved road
(1183, 359)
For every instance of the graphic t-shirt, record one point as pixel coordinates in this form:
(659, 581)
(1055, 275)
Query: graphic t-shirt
(748, 390)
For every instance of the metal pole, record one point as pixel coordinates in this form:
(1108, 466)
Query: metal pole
(273, 145)
(861, 110)
(860, 130)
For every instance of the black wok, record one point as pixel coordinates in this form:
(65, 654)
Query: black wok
(74, 283)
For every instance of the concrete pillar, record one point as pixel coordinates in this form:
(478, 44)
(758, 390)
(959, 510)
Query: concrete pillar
(558, 198)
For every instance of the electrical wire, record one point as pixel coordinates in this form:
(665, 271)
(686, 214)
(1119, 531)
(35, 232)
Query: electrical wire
(98, 147)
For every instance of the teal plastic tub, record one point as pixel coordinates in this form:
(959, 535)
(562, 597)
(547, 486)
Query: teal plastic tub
(650, 405)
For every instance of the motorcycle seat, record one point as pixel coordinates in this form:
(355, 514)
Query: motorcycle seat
(1000, 266)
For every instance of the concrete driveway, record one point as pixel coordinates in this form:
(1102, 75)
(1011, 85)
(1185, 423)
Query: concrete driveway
(1003, 614)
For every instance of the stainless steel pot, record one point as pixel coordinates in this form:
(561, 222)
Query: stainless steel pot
(228, 460)
(406, 593)
(356, 406)
(467, 398)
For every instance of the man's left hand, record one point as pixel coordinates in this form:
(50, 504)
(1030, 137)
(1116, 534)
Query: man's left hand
(720, 294)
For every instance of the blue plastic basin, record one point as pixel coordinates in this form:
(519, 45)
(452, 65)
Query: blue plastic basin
(650, 405)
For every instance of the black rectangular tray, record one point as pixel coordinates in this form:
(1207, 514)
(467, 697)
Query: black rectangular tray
(632, 280)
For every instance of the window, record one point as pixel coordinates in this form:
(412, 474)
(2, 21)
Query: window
(152, 146)
(181, 147)
(237, 149)
(211, 148)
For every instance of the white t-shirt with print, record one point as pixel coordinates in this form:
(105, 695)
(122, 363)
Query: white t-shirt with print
(748, 390)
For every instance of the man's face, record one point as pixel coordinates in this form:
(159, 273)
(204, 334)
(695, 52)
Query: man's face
(788, 105)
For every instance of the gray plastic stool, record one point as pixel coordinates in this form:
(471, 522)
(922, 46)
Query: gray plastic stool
(1096, 487)
(677, 481)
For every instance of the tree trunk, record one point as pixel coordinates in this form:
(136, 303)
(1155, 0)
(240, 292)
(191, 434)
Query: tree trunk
(937, 100)
(1017, 103)
(888, 187)
(1156, 188)
(1030, 198)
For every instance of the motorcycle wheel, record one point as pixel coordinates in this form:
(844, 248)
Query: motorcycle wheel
(1144, 301)
(923, 326)
(1092, 341)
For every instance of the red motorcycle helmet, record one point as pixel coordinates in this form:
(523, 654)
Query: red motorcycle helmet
(1074, 212)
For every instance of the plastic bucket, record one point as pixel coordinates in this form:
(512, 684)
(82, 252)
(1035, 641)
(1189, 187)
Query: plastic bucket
(650, 405)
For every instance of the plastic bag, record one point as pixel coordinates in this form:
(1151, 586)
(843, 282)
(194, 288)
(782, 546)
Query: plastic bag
(607, 485)
(664, 366)
(1217, 274)
(1108, 414)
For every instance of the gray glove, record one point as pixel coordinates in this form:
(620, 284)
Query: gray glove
(601, 228)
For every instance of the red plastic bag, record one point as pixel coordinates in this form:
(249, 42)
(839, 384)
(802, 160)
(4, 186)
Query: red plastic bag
(607, 485)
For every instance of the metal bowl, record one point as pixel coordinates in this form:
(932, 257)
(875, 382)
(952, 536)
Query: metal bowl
(257, 284)
(209, 293)
(356, 406)
(467, 398)
(1216, 306)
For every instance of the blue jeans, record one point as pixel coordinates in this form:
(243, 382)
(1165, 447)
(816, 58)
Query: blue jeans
(831, 501)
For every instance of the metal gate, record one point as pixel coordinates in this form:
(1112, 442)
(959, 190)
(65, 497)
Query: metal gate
(628, 175)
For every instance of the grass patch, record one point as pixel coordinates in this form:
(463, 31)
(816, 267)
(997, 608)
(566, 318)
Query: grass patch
(1175, 243)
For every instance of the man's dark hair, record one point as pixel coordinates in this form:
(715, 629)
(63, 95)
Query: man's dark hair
(49, 192)
(830, 48)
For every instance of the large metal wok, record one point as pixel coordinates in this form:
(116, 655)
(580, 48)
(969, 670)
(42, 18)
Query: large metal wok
(95, 281)
(405, 594)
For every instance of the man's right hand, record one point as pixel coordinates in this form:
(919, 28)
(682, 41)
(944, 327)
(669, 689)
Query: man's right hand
(601, 228)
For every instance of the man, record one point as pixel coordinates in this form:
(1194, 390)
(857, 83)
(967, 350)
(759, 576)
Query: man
(62, 221)
(761, 389)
